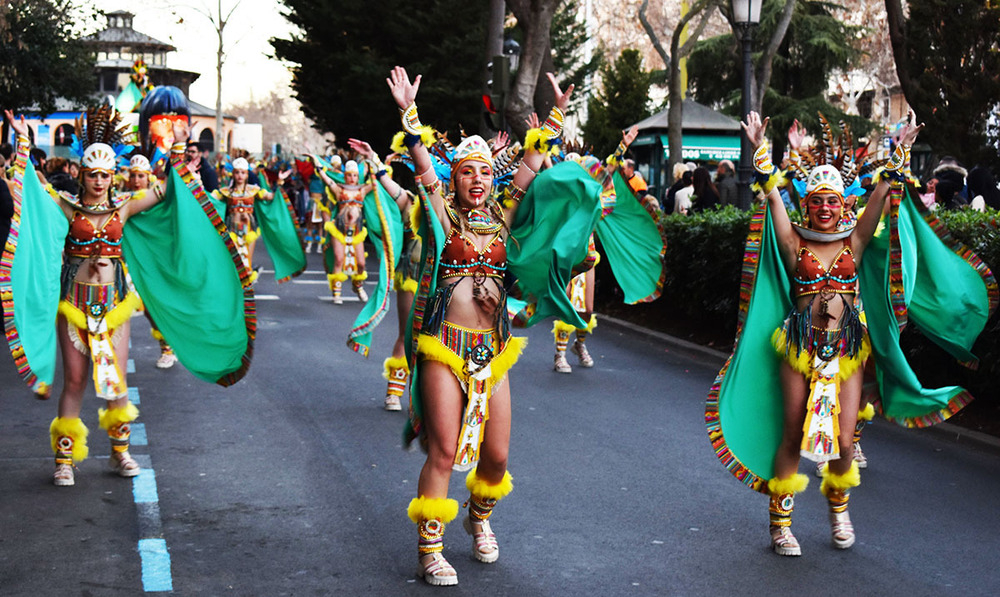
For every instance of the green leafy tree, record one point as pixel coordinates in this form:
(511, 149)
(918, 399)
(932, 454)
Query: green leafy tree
(948, 64)
(815, 43)
(41, 57)
(344, 50)
(623, 100)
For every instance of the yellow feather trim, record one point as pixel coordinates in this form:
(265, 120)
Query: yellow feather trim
(802, 361)
(433, 349)
(416, 214)
(833, 481)
(409, 285)
(74, 428)
(109, 417)
(359, 238)
(867, 413)
(427, 136)
(397, 145)
(359, 277)
(537, 140)
(121, 313)
(393, 363)
(251, 236)
(797, 483)
(481, 489)
(590, 324)
(425, 508)
(337, 277)
(156, 334)
(558, 327)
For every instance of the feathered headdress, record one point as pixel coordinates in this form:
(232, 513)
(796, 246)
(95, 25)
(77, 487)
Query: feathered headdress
(840, 154)
(99, 140)
(444, 157)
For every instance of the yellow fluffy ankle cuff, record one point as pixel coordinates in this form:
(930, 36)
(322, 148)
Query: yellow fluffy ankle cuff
(833, 481)
(795, 484)
(867, 413)
(481, 489)
(425, 508)
(393, 363)
(110, 417)
(74, 428)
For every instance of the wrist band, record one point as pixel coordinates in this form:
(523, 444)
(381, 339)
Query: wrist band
(410, 119)
(512, 194)
(434, 187)
(554, 123)
(178, 147)
(762, 160)
(900, 156)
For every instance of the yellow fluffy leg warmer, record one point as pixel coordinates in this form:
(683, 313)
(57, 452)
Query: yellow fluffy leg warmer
(795, 484)
(835, 482)
(425, 508)
(73, 429)
(108, 418)
(478, 487)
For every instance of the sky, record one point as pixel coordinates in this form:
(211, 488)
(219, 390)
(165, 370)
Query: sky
(247, 71)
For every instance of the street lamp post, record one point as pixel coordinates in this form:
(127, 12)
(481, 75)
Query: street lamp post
(746, 16)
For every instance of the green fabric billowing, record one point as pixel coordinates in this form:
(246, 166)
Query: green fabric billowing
(946, 299)
(378, 207)
(550, 234)
(281, 234)
(632, 243)
(34, 281)
(189, 283)
(750, 400)
(128, 100)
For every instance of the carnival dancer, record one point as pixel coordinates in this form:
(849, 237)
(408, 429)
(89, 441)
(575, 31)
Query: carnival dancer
(240, 198)
(319, 211)
(397, 370)
(460, 339)
(347, 230)
(91, 300)
(140, 178)
(581, 287)
(798, 393)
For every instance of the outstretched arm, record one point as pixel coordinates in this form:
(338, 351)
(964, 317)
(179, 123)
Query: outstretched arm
(405, 93)
(755, 128)
(381, 173)
(329, 182)
(269, 195)
(868, 221)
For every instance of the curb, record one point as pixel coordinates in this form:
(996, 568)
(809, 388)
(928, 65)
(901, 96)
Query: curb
(949, 430)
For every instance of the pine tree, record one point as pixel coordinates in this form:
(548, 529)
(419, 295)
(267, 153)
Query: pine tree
(622, 101)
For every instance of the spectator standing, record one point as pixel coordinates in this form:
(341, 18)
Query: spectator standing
(57, 173)
(983, 189)
(725, 181)
(706, 195)
(950, 189)
(200, 167)
(682, 198)
(634, 179)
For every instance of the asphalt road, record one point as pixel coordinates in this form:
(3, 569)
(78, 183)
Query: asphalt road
(294, 482)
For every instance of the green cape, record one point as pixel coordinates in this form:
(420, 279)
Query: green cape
(276, 219)
(634, 244)
(743, 413)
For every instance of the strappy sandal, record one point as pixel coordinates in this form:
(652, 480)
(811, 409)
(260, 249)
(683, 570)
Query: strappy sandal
(784, 543)
(580, 350)
(841, 530)
(392, 403)
(436, 571)
(484, 542)
(63, 476)
(123, 464)
(560, 364)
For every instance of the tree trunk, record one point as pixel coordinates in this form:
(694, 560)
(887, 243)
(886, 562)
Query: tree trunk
(535, 16)
(494, 47)
(761, 82)
(897, 38)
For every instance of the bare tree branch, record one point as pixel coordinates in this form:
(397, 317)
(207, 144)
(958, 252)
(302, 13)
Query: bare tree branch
(763, 78)
(652, 34)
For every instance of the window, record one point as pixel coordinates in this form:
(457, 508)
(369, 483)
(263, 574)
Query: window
(63, 135)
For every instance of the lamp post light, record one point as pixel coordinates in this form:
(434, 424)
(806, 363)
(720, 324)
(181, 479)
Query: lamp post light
(746, 16)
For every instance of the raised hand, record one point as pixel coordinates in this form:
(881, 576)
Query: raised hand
(403, 91)
(629, 136)
(500, 142)
(754, 127)
(796, 135)
(908, 133)
(19, 125)
(533, 122)
(282, 176)
(362, 147)
(562, 99)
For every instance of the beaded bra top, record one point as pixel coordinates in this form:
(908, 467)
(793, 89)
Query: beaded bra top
(812, 277)
(350, 195)
(85, 240)
(240, 201)
(461, 258)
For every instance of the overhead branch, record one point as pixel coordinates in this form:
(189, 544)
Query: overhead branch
(764, 75)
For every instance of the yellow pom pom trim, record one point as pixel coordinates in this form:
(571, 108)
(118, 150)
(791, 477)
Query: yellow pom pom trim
(537, 140)
(393, 363)
(359, 277)
(795, 484)
(337, 277)
(74, 428)
(558, 327)
(833, 481)
(867, 413)
(409, 285)
(397, 145)
(425, 508)
(481, 489)
(110, 417)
